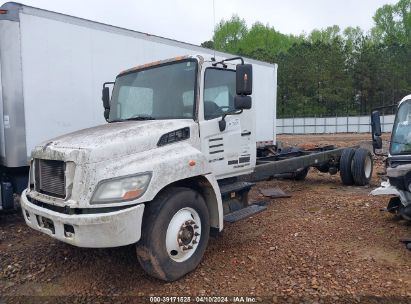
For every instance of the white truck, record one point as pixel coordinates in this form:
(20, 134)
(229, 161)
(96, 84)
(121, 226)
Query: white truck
(398, 160)
(164, 171)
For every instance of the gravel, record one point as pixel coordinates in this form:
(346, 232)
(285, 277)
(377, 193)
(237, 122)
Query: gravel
(327, 243)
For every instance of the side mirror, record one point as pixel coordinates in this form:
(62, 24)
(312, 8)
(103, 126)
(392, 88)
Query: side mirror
(106, 97)
(244, 79)
(375, 123)
(106, 114)
(377, 143)
(376, 130)
(242, 102)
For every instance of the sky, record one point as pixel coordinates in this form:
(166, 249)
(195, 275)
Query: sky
(193, 20)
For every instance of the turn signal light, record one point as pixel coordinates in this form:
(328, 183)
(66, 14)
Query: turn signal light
(132, 194)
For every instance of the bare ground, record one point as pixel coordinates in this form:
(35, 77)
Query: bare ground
(327, 243)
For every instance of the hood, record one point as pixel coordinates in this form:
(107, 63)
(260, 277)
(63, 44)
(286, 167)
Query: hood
(110, 140)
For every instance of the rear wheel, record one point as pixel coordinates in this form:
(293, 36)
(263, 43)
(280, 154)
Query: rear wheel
(362, 166)
(301, 175)
(175, 234)
(346, 166)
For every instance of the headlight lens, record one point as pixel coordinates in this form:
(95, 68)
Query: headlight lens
(121, 189)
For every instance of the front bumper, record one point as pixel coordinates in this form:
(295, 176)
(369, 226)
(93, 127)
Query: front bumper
(386, 189)
(98, 230)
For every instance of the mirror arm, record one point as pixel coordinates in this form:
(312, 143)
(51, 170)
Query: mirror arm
(222, 123)
(229, 59)
(107, 83)
(380, 154)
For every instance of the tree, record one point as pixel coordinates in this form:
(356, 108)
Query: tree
(393, 23)
(265, 39)
(326, 35)
(228, 34)
(329, 71)
(209, 44)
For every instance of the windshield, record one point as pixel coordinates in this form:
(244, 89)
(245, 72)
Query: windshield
(160, 92)
(401, 131)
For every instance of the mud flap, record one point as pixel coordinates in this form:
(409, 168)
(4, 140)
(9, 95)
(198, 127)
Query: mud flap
(6, 195)
(394, 204)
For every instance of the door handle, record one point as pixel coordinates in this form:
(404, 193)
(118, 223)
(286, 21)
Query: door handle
(246, 133)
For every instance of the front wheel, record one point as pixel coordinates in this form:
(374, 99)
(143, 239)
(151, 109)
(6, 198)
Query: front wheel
(175, 234)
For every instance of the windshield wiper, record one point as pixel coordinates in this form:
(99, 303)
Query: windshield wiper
(140, 117)
(137, 117)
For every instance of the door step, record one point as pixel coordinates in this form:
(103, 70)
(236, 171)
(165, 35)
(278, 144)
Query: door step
(235, 187)
(243, 213)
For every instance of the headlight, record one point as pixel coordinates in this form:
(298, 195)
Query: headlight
(121, 189)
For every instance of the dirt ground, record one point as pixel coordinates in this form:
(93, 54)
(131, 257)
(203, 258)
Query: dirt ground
(327, 243)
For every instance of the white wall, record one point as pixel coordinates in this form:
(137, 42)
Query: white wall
(320, 125)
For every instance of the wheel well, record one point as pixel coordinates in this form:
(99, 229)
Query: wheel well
(202, 186)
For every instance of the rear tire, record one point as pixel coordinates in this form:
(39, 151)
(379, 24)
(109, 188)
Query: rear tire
(301, 175)
(346, 166)
(175, 221)
(362, 167)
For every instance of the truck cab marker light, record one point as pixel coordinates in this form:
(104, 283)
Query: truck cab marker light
(192, 163)
(132, 194)
(174, 136)
(3, 12)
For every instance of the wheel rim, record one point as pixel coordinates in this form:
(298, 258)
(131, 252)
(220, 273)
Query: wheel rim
(183, 234)
(367, 167)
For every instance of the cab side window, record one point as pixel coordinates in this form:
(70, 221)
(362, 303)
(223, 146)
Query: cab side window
(219, 92)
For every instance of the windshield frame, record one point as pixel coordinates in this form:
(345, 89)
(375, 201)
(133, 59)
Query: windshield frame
(153, 66)
(394, 129)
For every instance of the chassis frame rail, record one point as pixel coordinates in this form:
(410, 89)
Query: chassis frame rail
(267, 167)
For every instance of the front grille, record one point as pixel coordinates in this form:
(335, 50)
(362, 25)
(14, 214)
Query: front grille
(50, 178)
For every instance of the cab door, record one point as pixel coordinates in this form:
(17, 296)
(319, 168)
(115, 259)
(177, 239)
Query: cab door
(230, 152)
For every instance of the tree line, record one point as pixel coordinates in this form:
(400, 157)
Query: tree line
(330, 71)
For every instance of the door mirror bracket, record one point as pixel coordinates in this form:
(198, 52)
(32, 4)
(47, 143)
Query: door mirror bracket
(222, 124)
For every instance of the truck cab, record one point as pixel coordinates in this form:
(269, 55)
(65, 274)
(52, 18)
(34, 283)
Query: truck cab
(398, 159)
(178, 131)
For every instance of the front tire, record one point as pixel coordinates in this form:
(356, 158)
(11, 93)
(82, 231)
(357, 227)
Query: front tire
(174, 235)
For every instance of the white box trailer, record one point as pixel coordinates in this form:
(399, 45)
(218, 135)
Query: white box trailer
(52, 70)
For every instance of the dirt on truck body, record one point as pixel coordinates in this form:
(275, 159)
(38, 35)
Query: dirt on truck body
(327, 243)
